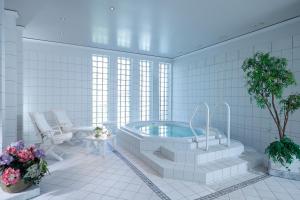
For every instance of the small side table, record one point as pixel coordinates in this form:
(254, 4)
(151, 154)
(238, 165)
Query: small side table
(94, 143)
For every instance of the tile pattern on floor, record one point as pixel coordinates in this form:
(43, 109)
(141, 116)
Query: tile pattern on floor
(236, 188)
(146, 180)
(178, 189)
(121, 176)
(233, 188)
(88, 176)
(272, 188)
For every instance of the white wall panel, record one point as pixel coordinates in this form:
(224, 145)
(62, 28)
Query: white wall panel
(60, 76)
(215, 75)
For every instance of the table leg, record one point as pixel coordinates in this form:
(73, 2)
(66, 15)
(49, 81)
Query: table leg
(88, 146)
(103, 149)
(91, 146)
(98, 144)
(114, 143)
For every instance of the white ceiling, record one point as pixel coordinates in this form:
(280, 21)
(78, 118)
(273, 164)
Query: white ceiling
(166, 28)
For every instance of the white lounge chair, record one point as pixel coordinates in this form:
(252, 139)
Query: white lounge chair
(66, 125)
(51, 137)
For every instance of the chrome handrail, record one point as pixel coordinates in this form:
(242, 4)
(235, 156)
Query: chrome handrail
(207, 123)
(228, 120)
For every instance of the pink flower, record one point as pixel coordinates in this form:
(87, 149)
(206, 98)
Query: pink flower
(12, 150)
(10, 176)
(25, 155)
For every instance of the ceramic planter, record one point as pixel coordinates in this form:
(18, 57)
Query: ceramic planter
(292, 172)
(19, 187)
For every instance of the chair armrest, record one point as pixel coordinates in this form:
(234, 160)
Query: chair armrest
(57, 129)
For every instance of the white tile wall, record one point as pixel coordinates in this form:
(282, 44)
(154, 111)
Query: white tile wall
(1, 74)
(215, 75)
(60, 76)
(19, 82)
(10, 76)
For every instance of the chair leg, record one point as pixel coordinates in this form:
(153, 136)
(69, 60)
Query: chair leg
(50, 151)
(70, 143)
(55, 155)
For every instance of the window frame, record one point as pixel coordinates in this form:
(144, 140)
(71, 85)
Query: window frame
(100, 85)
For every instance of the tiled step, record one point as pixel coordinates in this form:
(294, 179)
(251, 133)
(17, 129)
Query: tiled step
(207, 173)
(200, 156)
(187, 144)
(202, 143)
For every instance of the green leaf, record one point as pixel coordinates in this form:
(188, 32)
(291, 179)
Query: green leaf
(291, 103)
(266, 77)
(283, 151)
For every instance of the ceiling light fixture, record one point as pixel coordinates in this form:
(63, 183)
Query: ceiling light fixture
(61, 34)
(62, 19)
(112, 8)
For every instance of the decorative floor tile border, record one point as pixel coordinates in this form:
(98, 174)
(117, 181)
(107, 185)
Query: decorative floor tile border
(211, 196)
(233, 188)
(144, 178)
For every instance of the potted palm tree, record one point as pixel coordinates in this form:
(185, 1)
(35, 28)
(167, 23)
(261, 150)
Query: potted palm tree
(266, 78)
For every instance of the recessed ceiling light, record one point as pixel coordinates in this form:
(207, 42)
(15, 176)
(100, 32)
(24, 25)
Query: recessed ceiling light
(62, 19)
(112, 8)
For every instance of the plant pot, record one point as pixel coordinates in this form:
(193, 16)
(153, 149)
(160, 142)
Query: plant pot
(18, 187)
(292, 172)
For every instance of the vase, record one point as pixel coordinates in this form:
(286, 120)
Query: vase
(18, 187)
(292, 172)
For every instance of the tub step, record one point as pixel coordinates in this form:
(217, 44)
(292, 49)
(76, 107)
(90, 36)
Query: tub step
(212, 141)
(210, 172)
(200, 156)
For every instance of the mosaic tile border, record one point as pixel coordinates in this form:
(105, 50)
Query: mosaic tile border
(211, 196)
(233, 188)
(144, 178)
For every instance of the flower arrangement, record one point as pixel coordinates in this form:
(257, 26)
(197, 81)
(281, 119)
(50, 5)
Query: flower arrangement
(19, 164)
(100, 132)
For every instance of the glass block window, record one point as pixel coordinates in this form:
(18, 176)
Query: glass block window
(100, 96)
(164, 69)
(145, 80)
(123, 91)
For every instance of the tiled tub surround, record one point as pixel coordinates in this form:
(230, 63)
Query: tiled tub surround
(152, 143)
(214, 75)
(187, 190)
(179, 158)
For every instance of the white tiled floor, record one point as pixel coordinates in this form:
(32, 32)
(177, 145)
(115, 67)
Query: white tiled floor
(270, 188)
(88, 176)
(177, 189)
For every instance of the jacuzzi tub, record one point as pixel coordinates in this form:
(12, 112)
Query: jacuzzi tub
(151, 135)
(163, 129)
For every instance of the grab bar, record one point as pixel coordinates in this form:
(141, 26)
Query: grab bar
(207, 123)
(228, 120)
(228, 123)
